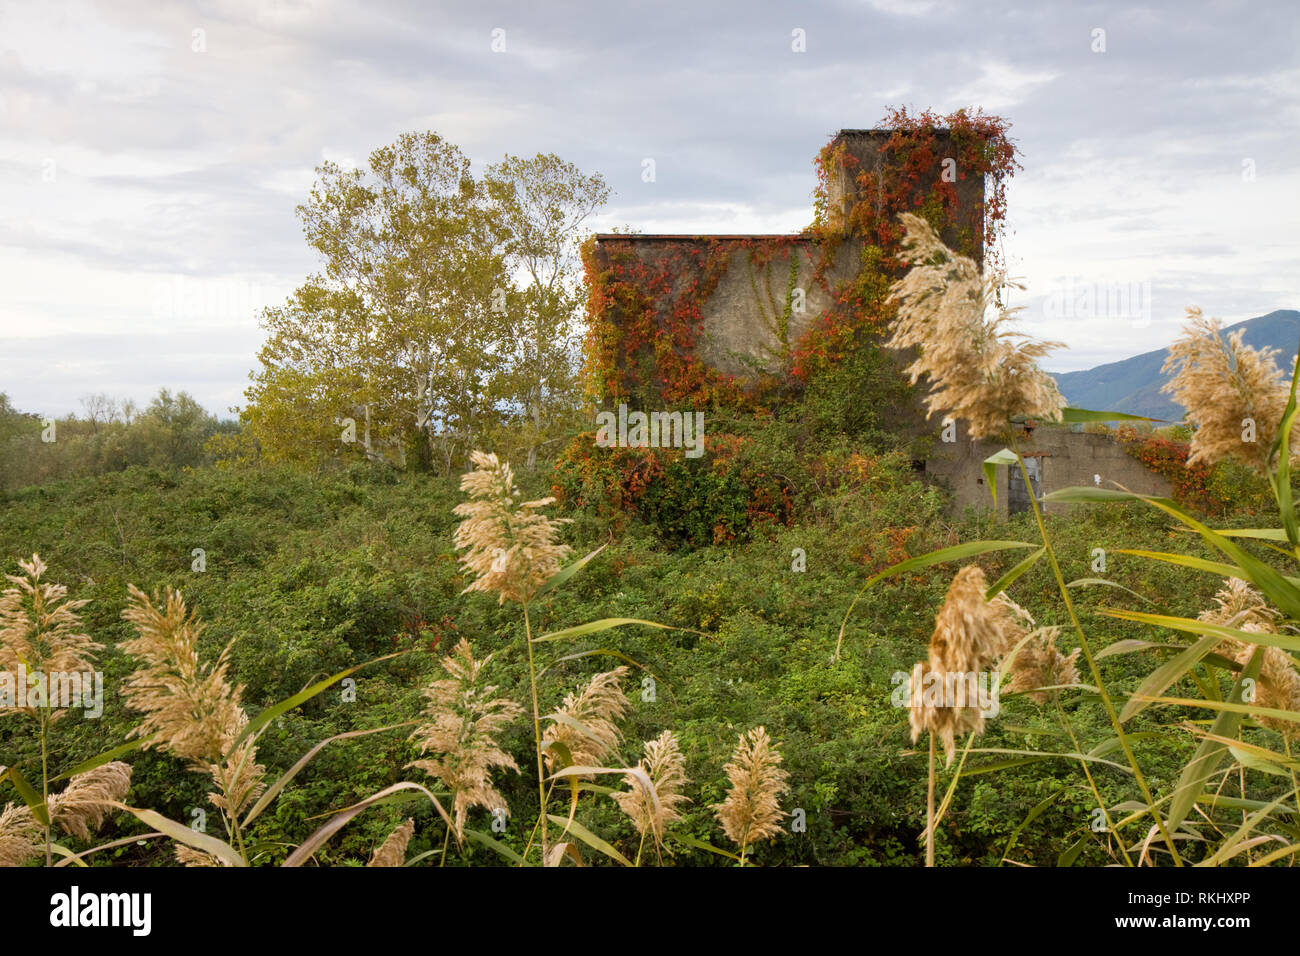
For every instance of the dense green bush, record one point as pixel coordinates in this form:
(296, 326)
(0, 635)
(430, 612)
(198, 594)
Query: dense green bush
(309, 574)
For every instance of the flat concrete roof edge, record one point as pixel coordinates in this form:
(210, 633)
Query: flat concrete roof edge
(697, 236)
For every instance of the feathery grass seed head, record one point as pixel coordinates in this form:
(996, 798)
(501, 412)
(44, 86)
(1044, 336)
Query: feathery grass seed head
(595, 709)
(189, 856)
(88, 798)
(971, 635)
(190, 707)
(511, 550)
(21, 837)
(393, 850)
(977, 369)
(464, 723)
(1238, 604)
(193, 711)
(665, 765)
(1277, 688)
(752, 810)
(40, 630)
(1039, 663)
(1221, 384)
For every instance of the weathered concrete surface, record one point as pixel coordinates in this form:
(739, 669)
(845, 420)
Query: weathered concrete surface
(1068, 459)
(741, 331)
(745, 332)
(865, 146)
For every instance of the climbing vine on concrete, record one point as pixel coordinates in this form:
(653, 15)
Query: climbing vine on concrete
(647, 298)
(911, 178)
(645, 317)
(1213, 490)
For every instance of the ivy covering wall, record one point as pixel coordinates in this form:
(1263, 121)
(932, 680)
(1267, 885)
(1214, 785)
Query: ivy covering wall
(644, 310)
(648, 297)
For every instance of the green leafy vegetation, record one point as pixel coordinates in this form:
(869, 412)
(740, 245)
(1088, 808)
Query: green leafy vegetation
(353, 657)
(308, 575)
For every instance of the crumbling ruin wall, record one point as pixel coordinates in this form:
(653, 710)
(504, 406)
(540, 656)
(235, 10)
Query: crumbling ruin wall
(741, 305)
(867, 149)
(1067, 459)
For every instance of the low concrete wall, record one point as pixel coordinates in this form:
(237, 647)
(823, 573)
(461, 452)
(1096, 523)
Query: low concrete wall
(1069, 459)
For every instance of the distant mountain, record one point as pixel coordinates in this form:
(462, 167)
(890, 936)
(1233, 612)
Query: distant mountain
(1133, 385)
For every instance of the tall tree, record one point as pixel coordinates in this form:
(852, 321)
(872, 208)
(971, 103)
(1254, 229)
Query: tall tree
(100, 409)
(541, 205)
(398, 333)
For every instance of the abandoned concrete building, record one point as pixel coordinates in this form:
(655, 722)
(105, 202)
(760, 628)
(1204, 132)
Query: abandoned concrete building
(765, 293)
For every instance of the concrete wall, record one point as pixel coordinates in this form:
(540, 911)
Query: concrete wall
(1069, 459)
(865, 146)
(740, 330)
(741, 333)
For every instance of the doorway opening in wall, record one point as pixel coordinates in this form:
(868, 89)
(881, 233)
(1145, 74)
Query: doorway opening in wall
(1017, 494)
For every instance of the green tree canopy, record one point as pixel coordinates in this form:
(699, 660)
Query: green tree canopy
(445, 315)
(542, 204)
(397, 334)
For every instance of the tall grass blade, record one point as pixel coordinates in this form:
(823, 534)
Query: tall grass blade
(283, 781)
(567, 572)
(268, 715)
(183, 834)
(1210, 753)
(30, 797)
(605, 624)
(1004, 457)
(1168, 673)
(589, 838)
(1004, 582)
(340, 819)
(1282, 477)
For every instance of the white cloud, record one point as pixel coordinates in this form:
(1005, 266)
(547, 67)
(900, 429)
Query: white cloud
(1000, 85)
(179, 170)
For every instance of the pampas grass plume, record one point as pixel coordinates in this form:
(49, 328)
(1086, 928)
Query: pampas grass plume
(970, 636)
(21, 837)
(979, 370)
(1039, 663)
(89, 798)
(665, 765)
(192, 710)
(752, 810)
(1221, 384)
(510, 549)
(40, 630)
(596, 707)
(463, 723)
(393, 850)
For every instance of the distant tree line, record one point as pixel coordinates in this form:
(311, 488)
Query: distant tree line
(109, 435)
(446, 316)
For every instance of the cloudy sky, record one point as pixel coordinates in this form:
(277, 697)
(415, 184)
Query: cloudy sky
(152, 154)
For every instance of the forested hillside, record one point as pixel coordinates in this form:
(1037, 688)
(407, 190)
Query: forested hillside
(1134, 385)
